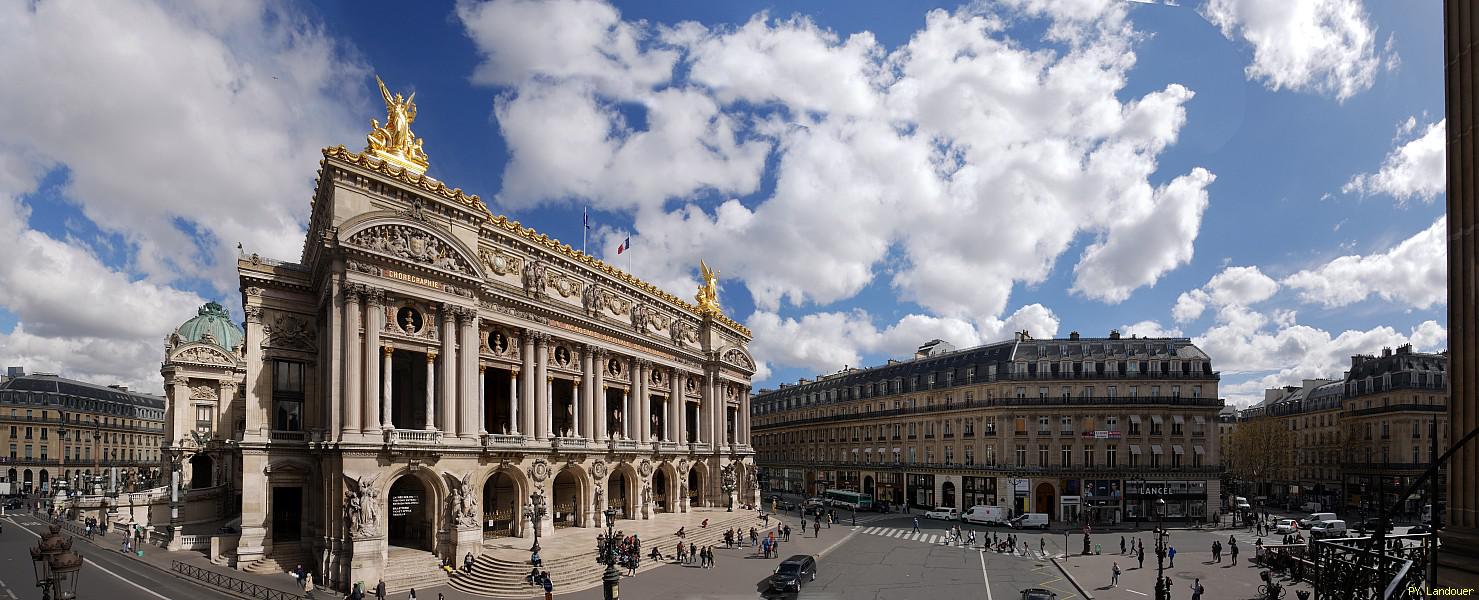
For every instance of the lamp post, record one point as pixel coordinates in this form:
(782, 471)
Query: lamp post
(535, 509)
(606, 553)
(1162, 593)
(55, 565)
(97, 454)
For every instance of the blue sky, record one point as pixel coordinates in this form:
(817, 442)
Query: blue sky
(1262, 176)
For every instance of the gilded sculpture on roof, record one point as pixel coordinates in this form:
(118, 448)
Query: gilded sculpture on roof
(708, 293)
(394, 142)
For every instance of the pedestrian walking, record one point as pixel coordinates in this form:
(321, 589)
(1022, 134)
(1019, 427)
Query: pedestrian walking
(816, 529)
(1122, 544)
(1167, 583)
(787, 533)
(1114, 579)
(413, 595)
(308, 585)
(380, 590)
(1172, 555)
(1141, 556)
(1042, 547)
(1196, 589)
(916, 525)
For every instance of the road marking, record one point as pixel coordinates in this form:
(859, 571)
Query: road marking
(11, 594)
(103, 569)
(1135, 592)
(985, 577)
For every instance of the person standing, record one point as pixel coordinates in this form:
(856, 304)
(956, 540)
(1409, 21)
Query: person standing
(412, 596)
(380, 590)
(1234, 548)
(1196, 589)
(1172, 555)
(1114, 578)
(1122, 544)
(1141, 557)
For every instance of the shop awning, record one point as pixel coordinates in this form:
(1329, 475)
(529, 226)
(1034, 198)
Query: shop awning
(1156, 419)
(1199, 450)
(1177, 419)
(1134, 418)
(1134, 449)
(1177, 449)
(1199, 420)
(1155, 449)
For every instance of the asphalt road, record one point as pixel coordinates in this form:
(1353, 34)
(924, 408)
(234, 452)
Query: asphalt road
(107, 573)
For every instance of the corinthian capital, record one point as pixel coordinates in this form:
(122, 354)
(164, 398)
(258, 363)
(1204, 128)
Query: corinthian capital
(253, 313)
(375, 296)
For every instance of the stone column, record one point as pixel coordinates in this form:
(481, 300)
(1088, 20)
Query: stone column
(513, 401)
(541, 387)
(385, 413)
(447, 413)
(680, 425)
(549, 406)
(374, 322)
(587, 397)
(641, 408)
(674, 410)
(469, 397)
(257, 405)
(431, 389)
(351, 400)
(598, 425)
(482, 399)
(526, 385)
(626, 413)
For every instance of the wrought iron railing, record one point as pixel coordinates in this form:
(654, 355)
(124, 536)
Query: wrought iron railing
(1371, 568)
(231, 584)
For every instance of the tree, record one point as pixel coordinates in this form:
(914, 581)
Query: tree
(1262, 451)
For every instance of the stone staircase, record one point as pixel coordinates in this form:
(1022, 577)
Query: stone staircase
(502, 578)
(283, 560)
(407, 568)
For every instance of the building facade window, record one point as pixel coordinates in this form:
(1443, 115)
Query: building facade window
(287, 395)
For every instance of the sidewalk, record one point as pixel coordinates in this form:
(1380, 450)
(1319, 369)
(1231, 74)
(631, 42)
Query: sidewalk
(162, 559)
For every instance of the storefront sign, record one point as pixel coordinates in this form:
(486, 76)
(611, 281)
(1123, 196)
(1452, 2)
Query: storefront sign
(401, 506)
(408, 278)
(1101, 435)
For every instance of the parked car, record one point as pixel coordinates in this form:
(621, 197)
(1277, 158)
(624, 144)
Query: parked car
(986, 515)
(794, 572)
(785, 505)
(1286, 526)
(940, 512)
(1416, 529)
(1330, 528)
(814, 502)
(1039, 594)
(1316, 518)
(1030, 521)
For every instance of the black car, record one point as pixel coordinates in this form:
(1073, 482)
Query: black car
(1372, 525)
(1038, 594)
(1416, 529)
(793, 573)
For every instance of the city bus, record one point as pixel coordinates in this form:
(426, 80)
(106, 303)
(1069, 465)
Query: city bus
(853, 500)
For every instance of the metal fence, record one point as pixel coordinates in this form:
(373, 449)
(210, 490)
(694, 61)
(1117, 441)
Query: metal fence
(231, 584)
(1371, 568)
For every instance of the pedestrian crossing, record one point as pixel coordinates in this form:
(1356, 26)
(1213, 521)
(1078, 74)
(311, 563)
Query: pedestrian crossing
(906, 533)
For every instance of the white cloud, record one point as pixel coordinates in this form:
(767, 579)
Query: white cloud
(1232, 287)
(1413, 273)
(1417, 169)
(1149, 328)
(826, 342)
(182, 130)
(957, 165)
(1322, 46)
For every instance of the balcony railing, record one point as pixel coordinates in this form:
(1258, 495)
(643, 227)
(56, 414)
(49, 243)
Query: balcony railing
(1005, 469)
(414, 436)
(622, 445)
(1147, 401)
(289, 436)
(1375, 410)
(503, 440)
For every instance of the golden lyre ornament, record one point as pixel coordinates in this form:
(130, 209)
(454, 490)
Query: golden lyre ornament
(708, 293)
(394, 142)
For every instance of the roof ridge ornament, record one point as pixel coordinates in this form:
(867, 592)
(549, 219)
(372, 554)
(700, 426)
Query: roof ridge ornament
(394, 143)
(708, 293)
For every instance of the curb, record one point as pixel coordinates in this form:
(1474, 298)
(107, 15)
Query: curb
(1069, 576)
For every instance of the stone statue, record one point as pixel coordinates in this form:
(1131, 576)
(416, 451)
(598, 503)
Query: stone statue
(727, 478)
(599, 493)
(394, 141)
(362, 506)
(462, 505)
(708, 293)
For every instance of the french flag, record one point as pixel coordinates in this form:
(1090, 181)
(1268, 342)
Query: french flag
(625, 245)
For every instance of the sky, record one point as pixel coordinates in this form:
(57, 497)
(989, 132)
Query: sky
(1265, 177)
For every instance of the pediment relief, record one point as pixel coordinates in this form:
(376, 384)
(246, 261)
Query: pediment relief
(738, 357)
(415, 245)
(203, 354)
(289, 331)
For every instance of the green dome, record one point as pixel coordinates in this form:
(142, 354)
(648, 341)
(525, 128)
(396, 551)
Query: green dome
(212, 320)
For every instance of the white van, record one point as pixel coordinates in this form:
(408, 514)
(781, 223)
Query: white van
(1329, 528)
(1030, 520)
(1315, 519)
(988, 515)
(940, 512)
(1241, 503)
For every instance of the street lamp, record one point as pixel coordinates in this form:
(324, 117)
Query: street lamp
(535, 511)
(1163, 592)
(606, 546)
(55, 565)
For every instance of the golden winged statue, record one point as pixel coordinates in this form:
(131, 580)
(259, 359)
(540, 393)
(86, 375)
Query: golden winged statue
(394, 142)
(708, 293)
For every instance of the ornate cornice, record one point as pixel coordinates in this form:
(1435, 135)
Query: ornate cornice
(417, 180)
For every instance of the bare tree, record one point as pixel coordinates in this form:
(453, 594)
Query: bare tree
(1262, 451)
